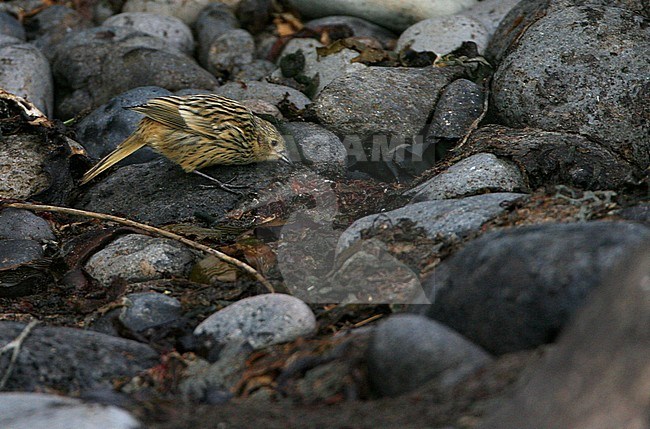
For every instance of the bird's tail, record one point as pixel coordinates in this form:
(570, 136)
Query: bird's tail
(126, 148)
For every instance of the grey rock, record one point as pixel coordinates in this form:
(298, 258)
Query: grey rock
(596, 375)
(67, 359)
(19, 251)
(24, 71)
(111, 123)
(203, 379)
(473, 175)
(23, 224)
(383, 101)
(549, 158)
(49, 26)
(20, 410)
(392, 14)
(567, 77)
(256, 70)
(359, 27)
(92, 66)
(328, 67)
(137, 258)
(270, 92)
(443, 34)
(490, 13)
(214, 20)
(147, 310)
(261, 320)
(160, 192)
(460, 103)
(516, 289)
(187, 10)
(172, 30)
(638, 213)
(445, 217)
(408, 351)
(317, 147)
(233, 49)
(22, 157)
(10, 26)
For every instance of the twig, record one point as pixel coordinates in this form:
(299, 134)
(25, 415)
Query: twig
(16, 344)
(76, 212)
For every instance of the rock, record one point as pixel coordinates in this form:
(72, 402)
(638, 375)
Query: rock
(408, 351)
(358, 27)
(21, 166)
(137, 258)
(177, 196)
(111, 123)
(213, 21)
(148, 310)
(473, 175)
(24, 71)
(10, 26)
(327, 67)
(68, 360)
(256, 70)
(92, 66)
(187, 10)
(516, 289)
(49, 26)
(490, 13)
(443, 34)
(317, 147)
(270, 92)
(231, 50)
(20, 410)
(381, 101)
(638, 213)
(460, 104)
(438, 217)
(392, 14)
(170, 29)
(19, 251)
(549, 158)
(23, 270)
(596, 376)
(212, 383)
(577, 85)
(261, 320)
(23, 224)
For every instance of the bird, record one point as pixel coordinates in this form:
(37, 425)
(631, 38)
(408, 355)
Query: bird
(199, 131)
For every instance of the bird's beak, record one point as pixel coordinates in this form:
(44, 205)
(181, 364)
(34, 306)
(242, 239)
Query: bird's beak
(284, 157)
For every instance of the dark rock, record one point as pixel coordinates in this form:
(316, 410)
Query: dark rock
(597, 375)
(161, 192)
(577, 78)
(549, 158)
(270, 92)
(22, 224)
(461, 102)
(639, 213)
(516, 289)
(256, 70)
(144, 311)
(231, 50)
(110, 124)
(10, 26)
(92, 66)
(48, 27)
(68, 360)
(407, 351)
(213, 21)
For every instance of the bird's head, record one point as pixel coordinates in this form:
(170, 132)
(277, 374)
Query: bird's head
(272, 146)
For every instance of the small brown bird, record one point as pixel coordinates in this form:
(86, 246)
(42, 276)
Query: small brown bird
(198, 131)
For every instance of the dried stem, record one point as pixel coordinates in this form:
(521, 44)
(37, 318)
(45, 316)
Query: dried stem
(76, 212)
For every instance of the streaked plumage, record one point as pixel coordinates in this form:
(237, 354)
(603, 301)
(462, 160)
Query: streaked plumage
(198, 131)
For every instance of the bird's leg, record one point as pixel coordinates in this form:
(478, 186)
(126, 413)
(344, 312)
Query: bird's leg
(225, 186)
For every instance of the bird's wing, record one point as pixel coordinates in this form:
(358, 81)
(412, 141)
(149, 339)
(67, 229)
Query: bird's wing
(164, 110)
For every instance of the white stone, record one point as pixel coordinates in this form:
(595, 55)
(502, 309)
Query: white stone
(444, 34)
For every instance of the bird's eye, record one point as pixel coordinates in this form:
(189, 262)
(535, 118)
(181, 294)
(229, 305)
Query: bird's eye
(274, 143)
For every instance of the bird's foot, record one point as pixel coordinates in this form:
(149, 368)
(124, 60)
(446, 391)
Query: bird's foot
(226, 186)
